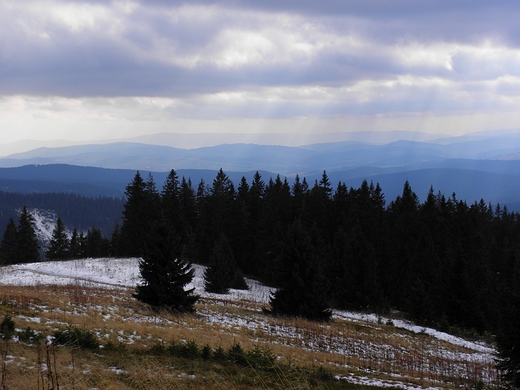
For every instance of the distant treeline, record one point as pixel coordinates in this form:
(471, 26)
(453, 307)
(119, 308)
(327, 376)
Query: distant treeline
(442, 262)
(77, 211)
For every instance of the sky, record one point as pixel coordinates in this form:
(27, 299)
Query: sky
(109, 70)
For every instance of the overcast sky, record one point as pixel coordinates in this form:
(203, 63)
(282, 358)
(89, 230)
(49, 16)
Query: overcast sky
(90, 70)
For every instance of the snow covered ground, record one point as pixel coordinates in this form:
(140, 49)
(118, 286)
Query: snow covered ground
(117, 273)
(124, 273)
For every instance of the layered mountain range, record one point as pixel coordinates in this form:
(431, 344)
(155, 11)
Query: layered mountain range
(477, 166)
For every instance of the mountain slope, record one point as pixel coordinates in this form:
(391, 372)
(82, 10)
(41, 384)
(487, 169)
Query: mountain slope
(93, 181)
(358, 348)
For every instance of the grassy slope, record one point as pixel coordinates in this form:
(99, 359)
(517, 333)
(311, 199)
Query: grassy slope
(308, 353)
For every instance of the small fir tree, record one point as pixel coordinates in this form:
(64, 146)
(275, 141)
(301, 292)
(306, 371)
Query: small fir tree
(60, 244)
(115, 241)
(222, 273)
(95, 244)
(166, 273)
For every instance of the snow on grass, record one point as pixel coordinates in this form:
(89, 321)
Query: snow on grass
(107, 272)
(124, 273)
(374, 319)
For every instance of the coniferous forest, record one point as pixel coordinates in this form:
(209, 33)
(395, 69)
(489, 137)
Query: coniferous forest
(443, 263)
(78, 211)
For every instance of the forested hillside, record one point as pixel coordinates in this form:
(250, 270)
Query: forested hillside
(75, 210)
(443, 261)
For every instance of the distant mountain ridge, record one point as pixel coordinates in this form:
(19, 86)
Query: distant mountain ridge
(474, 166)
(286, 160)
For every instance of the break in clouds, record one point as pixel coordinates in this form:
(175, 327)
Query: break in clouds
(205, 60)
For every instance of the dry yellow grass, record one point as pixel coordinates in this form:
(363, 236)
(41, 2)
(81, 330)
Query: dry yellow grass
(343, 348)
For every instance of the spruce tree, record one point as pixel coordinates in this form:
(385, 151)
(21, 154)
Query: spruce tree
(170, 202)
(95, 244)
(221, 199)
(141, 212)
(241, 227)
(8, 247)
(301, 286)
(59, 245)
(166, 273)
(354, 271)
(276, 216)
(75, 245)
(27, 242)
(188, 207)
(222, 273)
(115, 241)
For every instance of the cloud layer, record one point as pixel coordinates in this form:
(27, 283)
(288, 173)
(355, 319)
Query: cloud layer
(364, 60)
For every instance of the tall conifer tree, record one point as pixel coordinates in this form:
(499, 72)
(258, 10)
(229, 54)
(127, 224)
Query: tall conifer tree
(59, 245)
(27, 242)
(141, 212)
(222, 273)
(166, 273)
(8, 247)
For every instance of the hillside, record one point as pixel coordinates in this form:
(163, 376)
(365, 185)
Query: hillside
(493, 181)
(95, 295)
(76, 211)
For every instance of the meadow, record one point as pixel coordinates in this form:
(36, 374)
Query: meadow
(228, 343)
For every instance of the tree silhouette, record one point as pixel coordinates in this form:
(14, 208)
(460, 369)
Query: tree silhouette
(27, 242)
(8, 247)
(59, 245)
(166, 273)
(141, 212)
(222, 273)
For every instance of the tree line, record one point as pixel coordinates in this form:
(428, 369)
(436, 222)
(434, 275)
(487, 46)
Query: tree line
(79, 211)
(443, 262)
(20, 244)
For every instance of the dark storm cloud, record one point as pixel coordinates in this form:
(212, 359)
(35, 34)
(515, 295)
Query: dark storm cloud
(288, 57)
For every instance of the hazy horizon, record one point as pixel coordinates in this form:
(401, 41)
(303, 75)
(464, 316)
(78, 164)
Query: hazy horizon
(200, 140)
(99, 70)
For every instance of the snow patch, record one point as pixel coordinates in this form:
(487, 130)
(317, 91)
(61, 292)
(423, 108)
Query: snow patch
(44, 224)
(124, 273)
